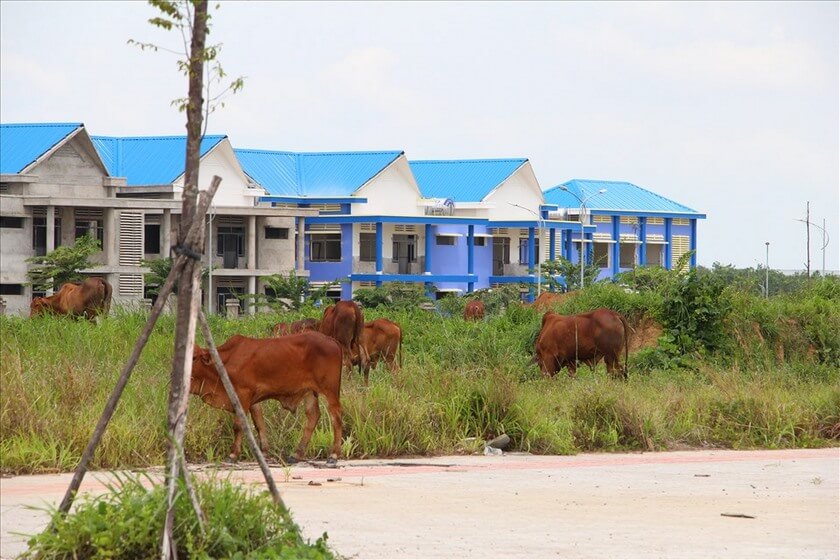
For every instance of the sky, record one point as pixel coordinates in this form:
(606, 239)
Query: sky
(732, 109)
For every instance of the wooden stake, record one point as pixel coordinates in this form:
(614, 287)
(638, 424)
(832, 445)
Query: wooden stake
(240, 412)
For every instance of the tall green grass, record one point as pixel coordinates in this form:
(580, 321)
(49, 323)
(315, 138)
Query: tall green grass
(462, 383)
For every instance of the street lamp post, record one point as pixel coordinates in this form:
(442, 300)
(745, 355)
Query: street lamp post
(767, 271)
(541, 226)
(582, 216)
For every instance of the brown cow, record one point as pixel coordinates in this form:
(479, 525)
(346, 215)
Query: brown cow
(565, 340)
(381, 340)
(294, 368)
(281, 329)
(345, 323)
(77, 299)
(474, 311)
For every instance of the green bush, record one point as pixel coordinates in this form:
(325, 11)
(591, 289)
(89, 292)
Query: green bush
(127, 522)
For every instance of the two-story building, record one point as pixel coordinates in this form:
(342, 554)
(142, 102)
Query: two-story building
(58, 183)
(631, 226)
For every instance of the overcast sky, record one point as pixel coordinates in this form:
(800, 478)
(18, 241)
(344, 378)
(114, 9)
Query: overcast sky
(729, 108)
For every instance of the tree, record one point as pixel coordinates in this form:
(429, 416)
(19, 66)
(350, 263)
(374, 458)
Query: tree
(570, 272)
(62, 265)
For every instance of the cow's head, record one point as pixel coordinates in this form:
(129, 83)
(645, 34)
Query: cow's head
(203, 371)
(38, 306)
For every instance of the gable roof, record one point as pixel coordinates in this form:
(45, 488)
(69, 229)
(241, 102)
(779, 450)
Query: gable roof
(148, 160)
(23, 144)
(313, 174)
(620, 196)
(462, 180)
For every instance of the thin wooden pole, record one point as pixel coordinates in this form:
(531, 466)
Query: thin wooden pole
(240, 412)
(125, 374)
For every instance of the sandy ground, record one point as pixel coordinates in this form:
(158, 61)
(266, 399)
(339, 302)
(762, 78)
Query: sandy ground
(651, 505)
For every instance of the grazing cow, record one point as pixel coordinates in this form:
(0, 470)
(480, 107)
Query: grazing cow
(86, 299)
(345, 323)
(565, 340)
(474, 311)
(291, 369)
(381, 340)
(281, 329)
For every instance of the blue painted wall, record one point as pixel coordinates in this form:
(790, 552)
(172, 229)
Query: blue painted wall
(333, 271)
(452, 259)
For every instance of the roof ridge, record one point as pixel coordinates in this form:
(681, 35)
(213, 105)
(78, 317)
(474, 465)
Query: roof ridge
(344, 153)
(173, 137)
(487, 160)
(34, 125)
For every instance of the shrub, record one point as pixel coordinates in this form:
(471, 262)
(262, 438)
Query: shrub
(127, 522)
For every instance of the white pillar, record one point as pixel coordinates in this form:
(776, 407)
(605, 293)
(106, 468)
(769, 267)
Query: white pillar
(252, 289)
(166, 227)
(300, 245)
(50, 229)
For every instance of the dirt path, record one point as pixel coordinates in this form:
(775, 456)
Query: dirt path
(652, 505)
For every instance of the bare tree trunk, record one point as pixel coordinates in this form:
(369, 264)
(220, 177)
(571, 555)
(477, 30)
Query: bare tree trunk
(189, 283)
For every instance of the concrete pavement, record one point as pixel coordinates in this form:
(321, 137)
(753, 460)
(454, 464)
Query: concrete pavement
(692, 504)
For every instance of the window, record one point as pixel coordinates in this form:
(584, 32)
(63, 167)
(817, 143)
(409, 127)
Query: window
(601, 254)
(404, 248)
(230, 240)
(93, 227)
(11, 222)
(325, 247)
(679, 247)
(11, 289)
(627, 255)
(501, 250)
(151, 238)
(276, 233)
(367, 247)
(523, 251)
(444, 240)
(653, 256)
(39, 235)
(479, 241)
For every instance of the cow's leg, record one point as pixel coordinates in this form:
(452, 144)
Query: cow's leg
(334, 407)
(572, 366)
(259, 424)
(313, 413)
(237, 439)
(237, 429)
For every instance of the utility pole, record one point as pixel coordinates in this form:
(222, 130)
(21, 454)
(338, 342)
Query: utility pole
(808, 239)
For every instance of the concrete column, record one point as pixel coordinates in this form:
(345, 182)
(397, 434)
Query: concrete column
(616, 248)
(567, 243)
(692, 244)
(552, 237)
(300, 245)
(470, 255)
(50, 229)
(166, 229)
(252, 243)
(668, 240)
(109, 235)
(427, 268)
(252, 289)
(643, 239)
(531, 261)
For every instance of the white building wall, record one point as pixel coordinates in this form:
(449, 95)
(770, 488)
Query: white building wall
(391, 193)
(233, 190)
(520, 188)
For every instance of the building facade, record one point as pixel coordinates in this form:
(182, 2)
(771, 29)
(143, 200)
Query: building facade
(344, 219)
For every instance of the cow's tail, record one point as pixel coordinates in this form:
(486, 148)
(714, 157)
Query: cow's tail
(357, 339)
(626, 343)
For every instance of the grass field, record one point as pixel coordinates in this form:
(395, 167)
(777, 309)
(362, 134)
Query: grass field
(461, 384)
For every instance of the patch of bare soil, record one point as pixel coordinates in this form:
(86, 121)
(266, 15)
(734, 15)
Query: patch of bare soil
(644, 335)
(549, 300)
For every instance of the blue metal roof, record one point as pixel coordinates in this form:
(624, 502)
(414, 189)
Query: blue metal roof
(313, 174)
(148, 160)
(462, 180)
(22, 144)
(620, 196)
